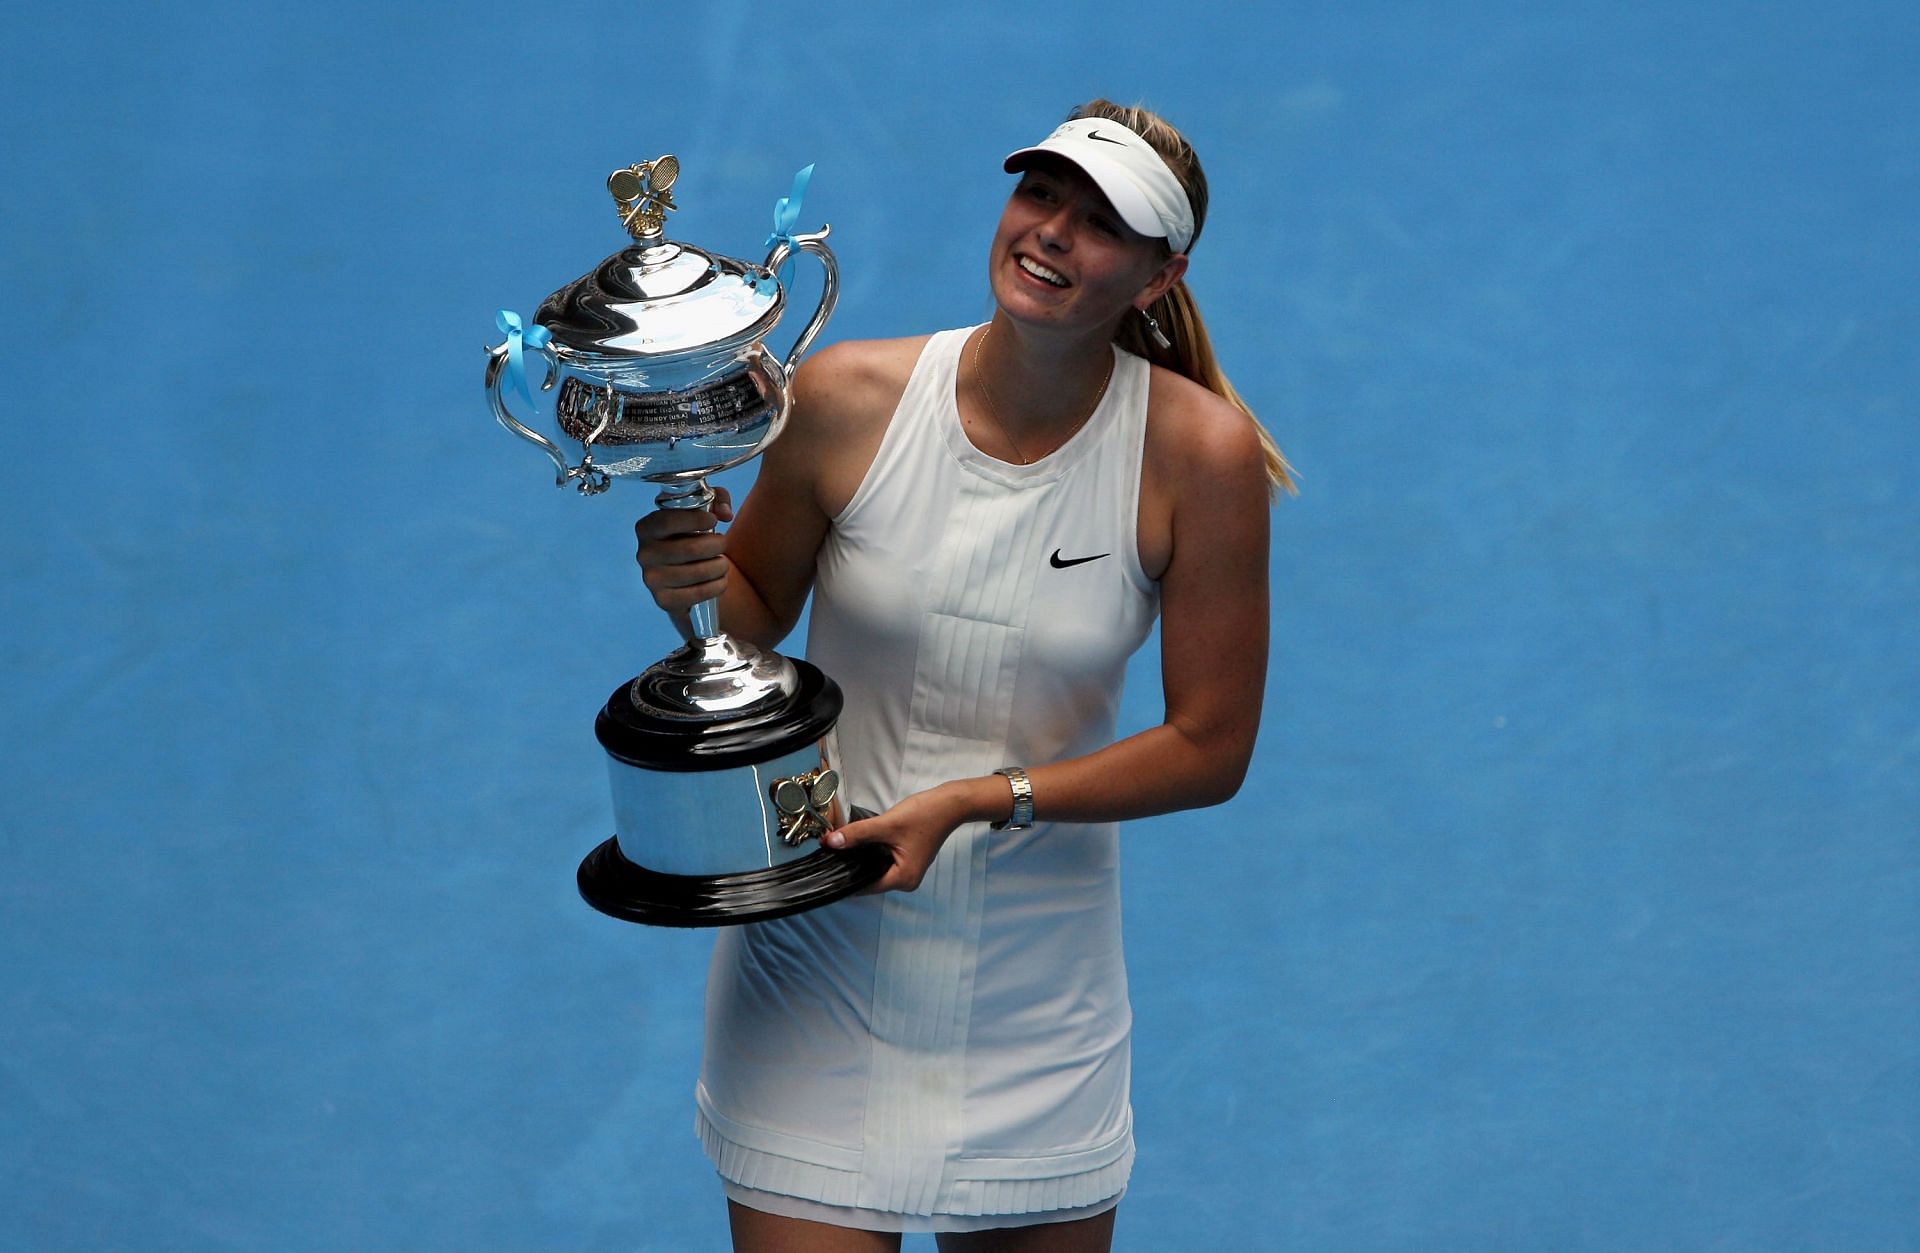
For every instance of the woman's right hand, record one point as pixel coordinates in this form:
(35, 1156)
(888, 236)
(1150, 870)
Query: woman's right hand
(682, 558)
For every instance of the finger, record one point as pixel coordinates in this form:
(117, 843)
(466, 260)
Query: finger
(677, 523)
(865, 830)
(842, 838)
(684, 574)
(682, 587)
(680, 550)
(682, 599)
(901, 876)
(722, 504)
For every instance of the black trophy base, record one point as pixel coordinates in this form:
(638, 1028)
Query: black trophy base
(630, 892)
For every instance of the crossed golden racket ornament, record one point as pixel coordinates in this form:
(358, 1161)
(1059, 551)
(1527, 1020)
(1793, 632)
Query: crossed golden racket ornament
(644, 194)
(803, 803)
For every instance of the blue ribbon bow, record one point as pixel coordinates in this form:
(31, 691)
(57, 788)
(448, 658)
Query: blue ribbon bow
(537, 336)
(786, 213)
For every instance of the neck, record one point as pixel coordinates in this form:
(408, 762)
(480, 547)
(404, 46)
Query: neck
(1043, 383)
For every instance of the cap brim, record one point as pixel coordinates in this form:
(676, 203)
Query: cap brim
(1114, 183)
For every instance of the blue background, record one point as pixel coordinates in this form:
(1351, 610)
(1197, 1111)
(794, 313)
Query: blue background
(1573, 902)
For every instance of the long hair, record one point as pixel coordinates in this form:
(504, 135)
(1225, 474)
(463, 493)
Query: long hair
(1191, 353)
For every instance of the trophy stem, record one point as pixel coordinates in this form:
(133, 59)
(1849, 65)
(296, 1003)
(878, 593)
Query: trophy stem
(703, 620)
(712, 677)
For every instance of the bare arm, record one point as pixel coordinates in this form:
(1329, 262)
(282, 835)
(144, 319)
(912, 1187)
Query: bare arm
(761, 568)
(1213, 663)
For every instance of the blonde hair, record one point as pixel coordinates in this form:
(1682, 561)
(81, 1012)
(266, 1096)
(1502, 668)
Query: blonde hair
(1191, 351)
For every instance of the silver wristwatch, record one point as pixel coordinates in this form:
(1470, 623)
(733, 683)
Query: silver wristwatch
(1022, 816)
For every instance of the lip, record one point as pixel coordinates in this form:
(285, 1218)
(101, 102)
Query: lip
(1035, 279)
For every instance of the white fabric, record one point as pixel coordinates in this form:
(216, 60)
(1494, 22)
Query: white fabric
(1125, 167)
(961, 1050)
(881, 1220)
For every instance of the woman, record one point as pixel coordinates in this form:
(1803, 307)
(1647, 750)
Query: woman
(988, 520)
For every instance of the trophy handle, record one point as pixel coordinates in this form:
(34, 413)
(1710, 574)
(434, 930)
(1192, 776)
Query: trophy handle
(496, 370)
(815, 243)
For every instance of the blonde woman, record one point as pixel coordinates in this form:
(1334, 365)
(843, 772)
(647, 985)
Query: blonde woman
(988, 521)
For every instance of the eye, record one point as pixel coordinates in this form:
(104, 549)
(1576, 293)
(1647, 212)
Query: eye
(1037, 189)
(1105, 225)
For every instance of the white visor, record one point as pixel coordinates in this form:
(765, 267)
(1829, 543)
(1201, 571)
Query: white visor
(1125, 167)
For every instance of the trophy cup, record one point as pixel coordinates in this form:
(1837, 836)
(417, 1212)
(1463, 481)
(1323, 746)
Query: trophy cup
(720, 755)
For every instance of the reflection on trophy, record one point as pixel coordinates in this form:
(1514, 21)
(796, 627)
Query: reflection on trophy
(721, 755)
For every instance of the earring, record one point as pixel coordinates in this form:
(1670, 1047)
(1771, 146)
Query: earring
(1159, 336)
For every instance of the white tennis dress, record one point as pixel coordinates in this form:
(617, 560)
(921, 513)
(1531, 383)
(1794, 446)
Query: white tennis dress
(955, 1057)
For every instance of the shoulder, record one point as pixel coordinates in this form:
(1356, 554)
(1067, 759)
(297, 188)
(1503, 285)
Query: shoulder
(843, 398)
(858, 378)
(1202, 473)
(1199, 440)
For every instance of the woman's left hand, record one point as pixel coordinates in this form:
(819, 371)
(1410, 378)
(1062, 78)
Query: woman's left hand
(912, 832)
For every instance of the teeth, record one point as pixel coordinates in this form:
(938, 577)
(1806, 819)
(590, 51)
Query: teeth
(1042, 272)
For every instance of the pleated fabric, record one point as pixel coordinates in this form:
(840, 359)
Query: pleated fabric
(962, 1050)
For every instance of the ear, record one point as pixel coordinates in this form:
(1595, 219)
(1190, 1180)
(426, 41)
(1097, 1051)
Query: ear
(1163, 279)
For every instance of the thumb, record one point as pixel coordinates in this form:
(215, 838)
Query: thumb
(860, 831)
(722, 507)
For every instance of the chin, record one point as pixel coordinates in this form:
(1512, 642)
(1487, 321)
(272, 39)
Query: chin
(1022, 304)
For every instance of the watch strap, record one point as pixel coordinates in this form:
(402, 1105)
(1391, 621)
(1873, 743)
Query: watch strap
(1022, 816)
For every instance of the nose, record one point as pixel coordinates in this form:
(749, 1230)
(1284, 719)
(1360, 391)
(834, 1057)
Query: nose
(1056, 230)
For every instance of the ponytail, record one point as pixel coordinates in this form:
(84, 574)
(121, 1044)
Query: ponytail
(1191, 353)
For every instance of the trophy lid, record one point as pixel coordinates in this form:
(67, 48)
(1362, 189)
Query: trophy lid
(658, 297)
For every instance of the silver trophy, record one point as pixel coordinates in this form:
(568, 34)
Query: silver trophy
(720, 754)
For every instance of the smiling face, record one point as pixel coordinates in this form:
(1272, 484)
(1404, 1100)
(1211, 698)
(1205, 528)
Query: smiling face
(1063, 257)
